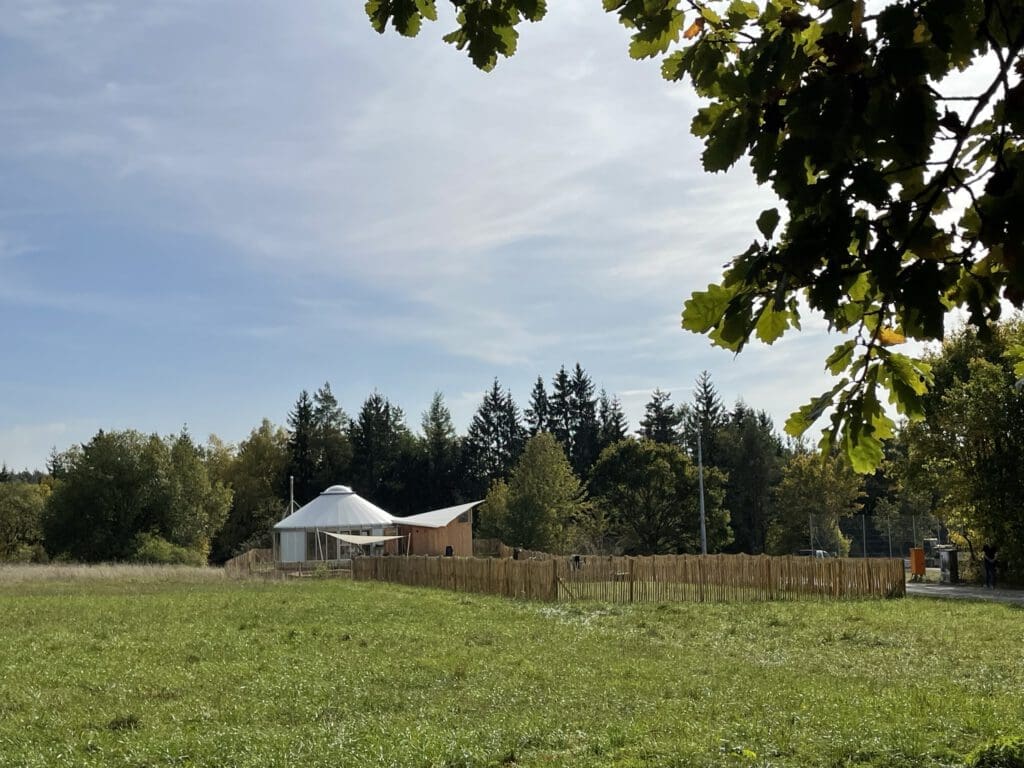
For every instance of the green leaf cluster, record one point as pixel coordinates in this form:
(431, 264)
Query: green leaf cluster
(902, 198)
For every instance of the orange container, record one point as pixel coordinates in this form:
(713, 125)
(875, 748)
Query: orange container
(917, 561)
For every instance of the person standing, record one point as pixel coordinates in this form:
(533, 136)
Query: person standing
(989, 553)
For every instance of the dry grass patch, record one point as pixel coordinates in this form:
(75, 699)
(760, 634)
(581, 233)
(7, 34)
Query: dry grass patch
(126, 573)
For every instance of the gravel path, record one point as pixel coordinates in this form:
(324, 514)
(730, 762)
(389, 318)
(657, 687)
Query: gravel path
(967, 592)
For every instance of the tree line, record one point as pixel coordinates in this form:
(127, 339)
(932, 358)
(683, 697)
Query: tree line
(565, 473)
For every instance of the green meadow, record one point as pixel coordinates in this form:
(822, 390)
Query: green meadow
(177, 670)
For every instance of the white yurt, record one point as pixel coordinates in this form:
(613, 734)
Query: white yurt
(330, 526)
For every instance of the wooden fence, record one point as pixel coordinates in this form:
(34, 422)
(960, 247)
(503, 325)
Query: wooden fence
(658, 579)
(248, 563)
(531, 579)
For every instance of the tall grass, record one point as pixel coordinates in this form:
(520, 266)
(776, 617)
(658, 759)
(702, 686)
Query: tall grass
(111, 573)
(309, 673)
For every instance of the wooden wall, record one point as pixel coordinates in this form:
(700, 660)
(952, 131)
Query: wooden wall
(432, 541)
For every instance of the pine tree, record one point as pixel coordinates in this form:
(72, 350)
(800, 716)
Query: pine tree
(538, 414)
(661, 420)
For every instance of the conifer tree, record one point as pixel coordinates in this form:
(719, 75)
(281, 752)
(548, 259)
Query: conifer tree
(584, 447)
(494, 440)
(752, 455)
(381, 443)
(707, 416)
(612, 425)
(301, 439)
(560, 409)
(661, 420)
(331, 447)
(537, 415)
(438, 481)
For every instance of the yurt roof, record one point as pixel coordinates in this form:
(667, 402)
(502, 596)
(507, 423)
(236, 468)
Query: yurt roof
(338, 507)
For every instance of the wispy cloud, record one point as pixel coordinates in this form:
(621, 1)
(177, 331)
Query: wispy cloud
(332, 183)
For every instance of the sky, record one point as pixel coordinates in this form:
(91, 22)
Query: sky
(210, 205)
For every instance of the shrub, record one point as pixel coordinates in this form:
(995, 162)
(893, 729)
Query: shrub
(154, 549)
(1005, 753)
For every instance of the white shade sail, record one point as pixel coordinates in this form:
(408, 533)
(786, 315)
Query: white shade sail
(352, 539)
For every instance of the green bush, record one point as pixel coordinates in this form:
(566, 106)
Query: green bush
(26, 553)
(156, 550)
(1005, 753)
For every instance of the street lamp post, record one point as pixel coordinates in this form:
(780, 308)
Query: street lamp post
(700, 484)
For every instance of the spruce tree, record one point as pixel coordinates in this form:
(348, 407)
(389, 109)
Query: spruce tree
(661, 420)
(584, 443)
(560, 409)
(611, 421)
(332, 450)
(301, 439)
(708, 416)
(381, 443)
(437, 482)
(537, 415)
(753, 455)
(494, 440)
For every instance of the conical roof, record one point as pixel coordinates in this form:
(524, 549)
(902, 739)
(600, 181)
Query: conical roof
(337, 507)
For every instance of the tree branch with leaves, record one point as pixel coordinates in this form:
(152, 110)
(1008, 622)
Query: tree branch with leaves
(901, 197)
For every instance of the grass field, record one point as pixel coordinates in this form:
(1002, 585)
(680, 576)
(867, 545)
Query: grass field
(161, 672)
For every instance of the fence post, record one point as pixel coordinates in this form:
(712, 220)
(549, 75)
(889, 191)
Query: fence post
(629, 568)
(554, 579)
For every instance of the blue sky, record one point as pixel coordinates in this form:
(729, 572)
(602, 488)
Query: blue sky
(208, 206)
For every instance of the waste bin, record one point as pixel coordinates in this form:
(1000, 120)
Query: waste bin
(917, 570)
(949, 571)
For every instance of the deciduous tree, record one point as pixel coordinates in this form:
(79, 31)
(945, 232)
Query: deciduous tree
(901, 196)
(21, 514)
(648, 492)
(810, 498)
(257, 477)
(968, 448)
(123, 485)
(540, 503)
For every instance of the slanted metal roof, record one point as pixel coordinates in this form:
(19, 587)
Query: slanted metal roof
(339, 507)
(437, 518)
